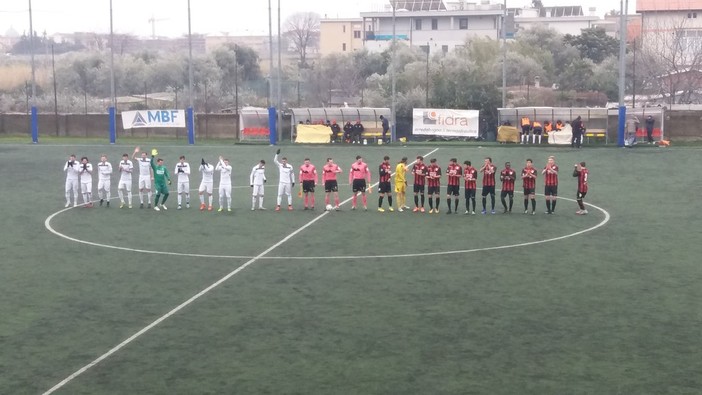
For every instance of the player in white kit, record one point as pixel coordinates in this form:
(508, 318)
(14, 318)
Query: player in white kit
(182, 169)
(104, 180)
(144, 177)
(225, 183)
(72, 169)
(86, 181)
(286, 182)
(257, 179)
(206, 185)
(126, 167)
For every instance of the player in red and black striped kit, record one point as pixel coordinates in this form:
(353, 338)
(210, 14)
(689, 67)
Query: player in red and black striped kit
(434, 186)
(581, 172)
(551, 184)
(384, 184)
(454, 173)
(507, 176)
(488, 171)
(419, 169)
(529, 179)
(470, 175)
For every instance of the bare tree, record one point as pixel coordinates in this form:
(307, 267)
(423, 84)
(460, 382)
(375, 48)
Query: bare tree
(671, 59)
(302, 29)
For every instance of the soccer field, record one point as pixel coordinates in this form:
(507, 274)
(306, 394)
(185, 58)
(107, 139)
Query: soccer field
(115, 301)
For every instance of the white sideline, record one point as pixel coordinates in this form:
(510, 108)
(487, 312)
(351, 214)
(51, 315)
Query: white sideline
(189, 301)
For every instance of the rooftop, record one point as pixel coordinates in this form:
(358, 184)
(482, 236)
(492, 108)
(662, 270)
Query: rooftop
(668, 5)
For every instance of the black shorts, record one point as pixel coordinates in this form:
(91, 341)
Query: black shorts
(526, 129)
(551, 190)
(453, 190)
(528, 191)
(538, 130)
(506, 193)
(384, 187)
(331, 186)
(488, 190)
(419, 188)
(581, 195)
(359, 185)
(307, 186)
(470, 193)
(433, 190)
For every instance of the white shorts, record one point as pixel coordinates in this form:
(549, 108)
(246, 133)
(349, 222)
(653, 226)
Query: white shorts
(205, 187)
(86, 187)
(184, 187)
(145, 182)
(72, 185)
(104, 185)
(285, 189)
(225, 190)
(125, 185)
(257, 190)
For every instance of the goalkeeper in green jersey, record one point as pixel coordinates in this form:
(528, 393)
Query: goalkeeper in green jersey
(161, 177)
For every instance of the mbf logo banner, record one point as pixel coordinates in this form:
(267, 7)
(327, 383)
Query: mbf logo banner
(444, 122)
(153, 119)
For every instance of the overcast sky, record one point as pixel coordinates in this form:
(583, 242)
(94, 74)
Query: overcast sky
(216, 17)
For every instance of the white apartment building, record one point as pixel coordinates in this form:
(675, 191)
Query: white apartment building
(672, 25)
(563, 19)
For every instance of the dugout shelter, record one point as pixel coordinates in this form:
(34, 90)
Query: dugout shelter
(308, 125)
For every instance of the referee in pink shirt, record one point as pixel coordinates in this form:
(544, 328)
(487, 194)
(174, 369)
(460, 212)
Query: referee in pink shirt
(308, 177)
(358, 175)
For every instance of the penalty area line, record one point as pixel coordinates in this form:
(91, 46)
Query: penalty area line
(193, 298)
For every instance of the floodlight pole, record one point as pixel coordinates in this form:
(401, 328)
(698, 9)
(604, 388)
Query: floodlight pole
(392, 75)
(622, 70)
(504, 55)
(34, 126)
(113, 101)
(190, 115)
(279, 81)
(272, 113)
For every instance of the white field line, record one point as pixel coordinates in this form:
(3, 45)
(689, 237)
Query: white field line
(188, 302)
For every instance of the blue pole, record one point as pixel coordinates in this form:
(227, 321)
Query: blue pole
(35, 125)
(622, 125)
(272, 125)
(113, 125)
(191, 125)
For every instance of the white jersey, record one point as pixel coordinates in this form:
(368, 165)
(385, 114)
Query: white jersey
(85, 172)
(144, 167)
(126, 167)
(104, 171)
(258, 175)
(225, 174)
(183, 172)
(72, 170)
(287, 173)
(207, 173)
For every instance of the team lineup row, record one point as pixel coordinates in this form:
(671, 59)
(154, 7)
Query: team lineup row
(426, 186)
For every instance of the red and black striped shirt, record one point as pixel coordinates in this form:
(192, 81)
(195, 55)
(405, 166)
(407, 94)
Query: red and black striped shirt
(385, 172)
(454, 172)
(489, 175)
(420, 172)
(551, 175)
(507, 176)
(471, 176)
(433, 175)
(582, 179)
(529, 177)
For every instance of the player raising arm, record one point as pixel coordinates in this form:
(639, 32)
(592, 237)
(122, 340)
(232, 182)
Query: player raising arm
(206, 185)
(72, 169)
(581, 172)
(225, 183)
(286, 180)
(161, 180)
(144, 177)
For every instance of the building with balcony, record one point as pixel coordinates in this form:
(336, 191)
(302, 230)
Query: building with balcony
(563, 19)
(434, 24)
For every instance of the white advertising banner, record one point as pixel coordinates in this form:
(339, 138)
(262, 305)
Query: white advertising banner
(153, 119)
(442, 122)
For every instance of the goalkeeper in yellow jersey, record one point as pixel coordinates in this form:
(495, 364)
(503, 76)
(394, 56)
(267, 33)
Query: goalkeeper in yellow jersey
(401, 184)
